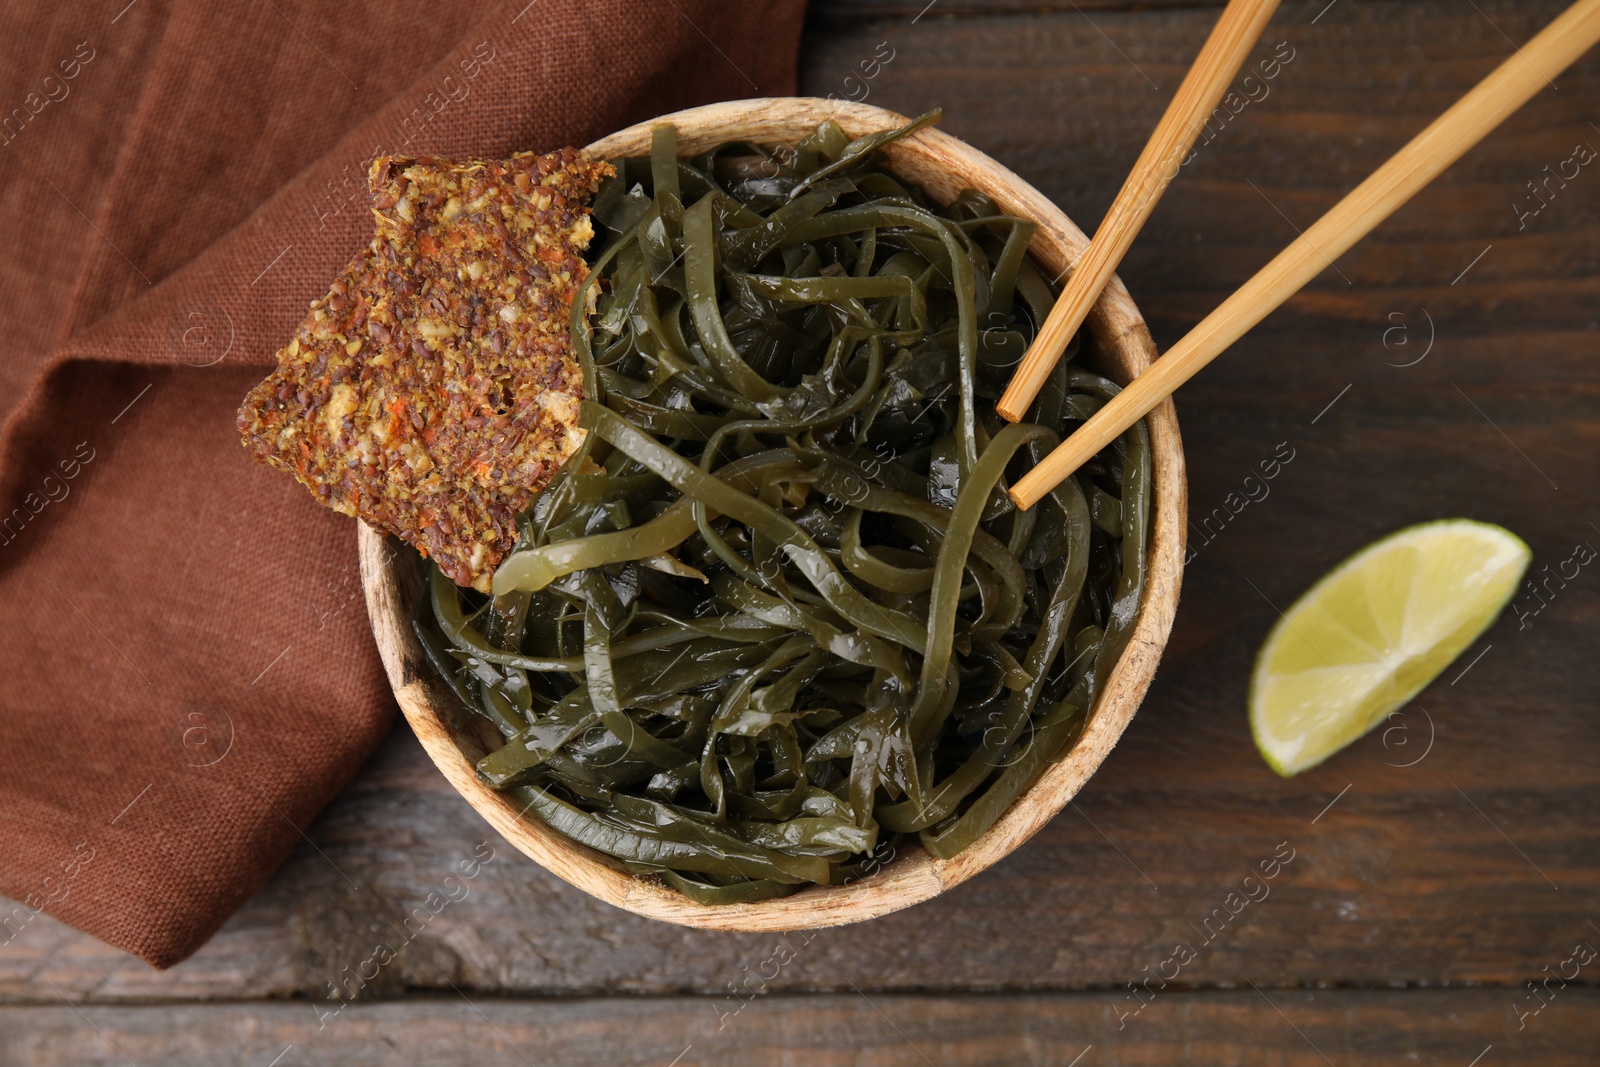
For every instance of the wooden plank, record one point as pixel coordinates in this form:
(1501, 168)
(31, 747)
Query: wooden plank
(1434, 873)
(1278, 1027)
(832, 12)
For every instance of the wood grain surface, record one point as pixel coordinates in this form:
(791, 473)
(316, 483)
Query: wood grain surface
(1287, 1029)
(1477, 865)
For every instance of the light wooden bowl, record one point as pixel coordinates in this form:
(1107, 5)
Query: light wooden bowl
(1120, 346)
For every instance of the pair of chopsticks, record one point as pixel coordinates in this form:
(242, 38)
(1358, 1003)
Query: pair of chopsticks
(1467, 122)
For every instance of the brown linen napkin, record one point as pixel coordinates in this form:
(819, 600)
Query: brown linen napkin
(188, 672)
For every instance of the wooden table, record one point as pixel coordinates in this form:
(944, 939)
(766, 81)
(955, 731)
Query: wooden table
(1446, 366)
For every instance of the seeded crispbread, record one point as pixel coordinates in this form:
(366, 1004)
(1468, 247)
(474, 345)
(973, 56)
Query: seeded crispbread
(433, 391)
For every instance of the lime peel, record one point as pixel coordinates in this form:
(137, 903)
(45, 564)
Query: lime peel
(1374, 631)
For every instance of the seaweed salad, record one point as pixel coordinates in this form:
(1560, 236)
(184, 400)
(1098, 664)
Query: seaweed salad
(777, 613)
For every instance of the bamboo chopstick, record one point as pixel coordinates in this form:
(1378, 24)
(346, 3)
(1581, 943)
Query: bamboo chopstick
(1219, 60)
(1471, 118)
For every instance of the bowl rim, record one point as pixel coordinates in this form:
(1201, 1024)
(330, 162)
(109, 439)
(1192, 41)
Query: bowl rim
(943, 165)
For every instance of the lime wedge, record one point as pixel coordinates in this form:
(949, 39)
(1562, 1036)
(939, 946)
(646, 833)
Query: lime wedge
(1371, 634)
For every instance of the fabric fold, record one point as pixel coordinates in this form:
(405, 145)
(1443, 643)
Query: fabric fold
(190, 672)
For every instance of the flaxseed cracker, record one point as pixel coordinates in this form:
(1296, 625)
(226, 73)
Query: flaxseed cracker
(434, 390)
